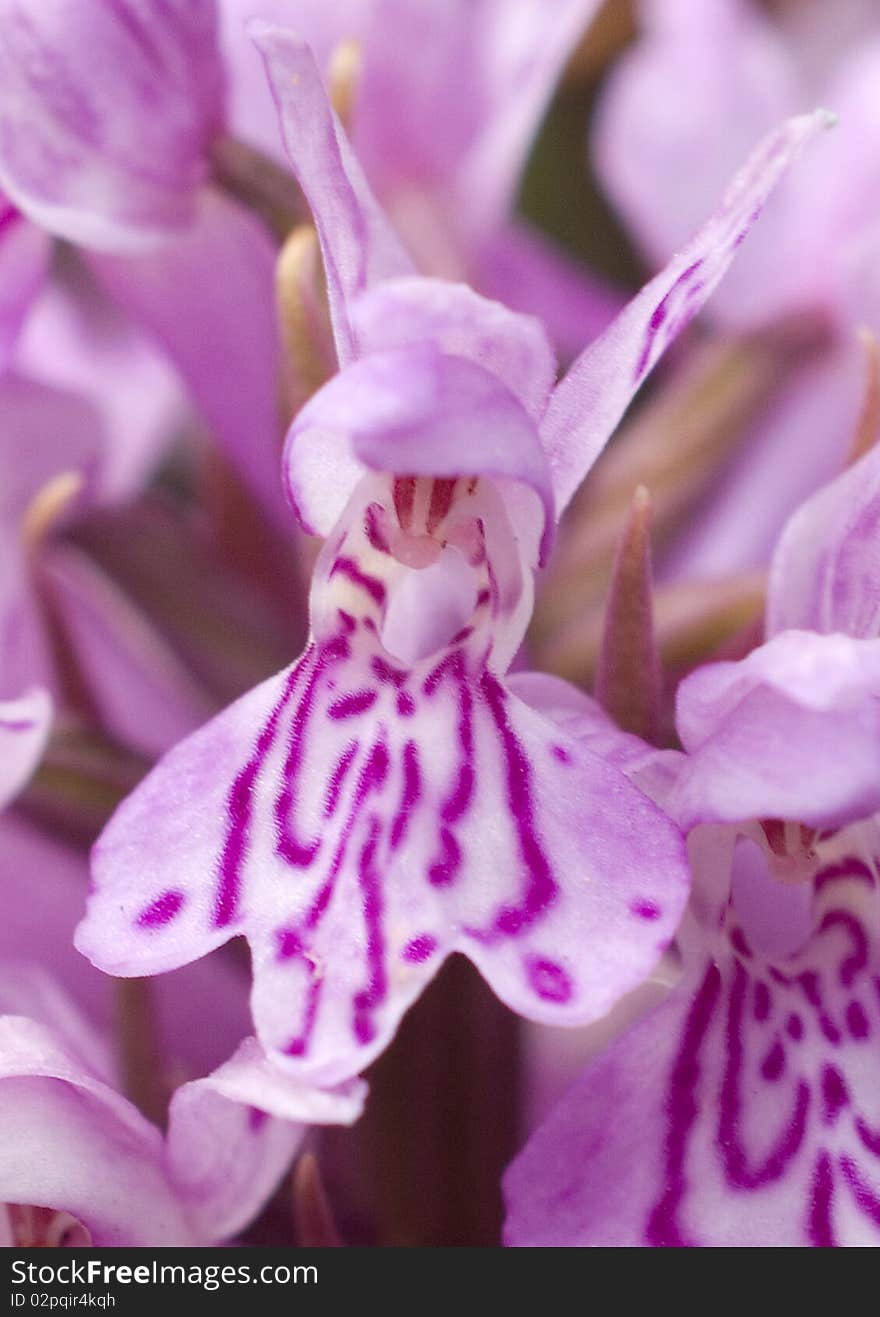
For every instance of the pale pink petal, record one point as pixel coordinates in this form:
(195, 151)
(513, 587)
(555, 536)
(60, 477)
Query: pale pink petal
(144, 694)
(825, 574)
(512, 347)
(107, 113)
(798, 443)
(208, 298)
(591, 399)
(24, 730)
(24, 260)
(73, 1144)
(232, 1135)
(716, 75)
(358, 244)
(75, 339)
(791, 732)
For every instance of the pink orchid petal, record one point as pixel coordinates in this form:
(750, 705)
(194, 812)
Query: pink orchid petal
(825, 574)
(742, 1112)
(528, 272)
(208, 299)
(73, 1144)
(593, 396)
(250, 108)
(58, 430)
(74, 339)
(359, 845)
(760, 733)
(358, 244)
(24, 261)
(418, 411)
(512, 347)
(232, 1135)
(107, 177)
(145, 696)
(797, 444)
(201, 1010)
(740, 80)
(24, 731)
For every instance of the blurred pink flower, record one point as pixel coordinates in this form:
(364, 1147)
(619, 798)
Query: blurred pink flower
(744, 1109)
(704, 78)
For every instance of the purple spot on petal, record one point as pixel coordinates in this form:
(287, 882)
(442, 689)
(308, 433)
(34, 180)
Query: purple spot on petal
(549, 980)
(761, 1001)
(560, 753)
(161, 911)
(795, 1027)
(774, 1062)
(834, 1093)
(349, 706)
(739, 943)
(445, 869)
(256, 1119)
(420, 948)
(857, 1021)
(406, 705)
(289, 943)
(829, 1029)
(646, 909)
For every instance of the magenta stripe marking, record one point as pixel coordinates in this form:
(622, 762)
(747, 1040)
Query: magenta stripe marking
(868, 1202)
(662, 1229)
(870, 1137)
(412, 790)
(348, 568)
(17, 724)
(287, 845)
(161, 911)
(291, 943)
(819, 1230)
(349, 706)
(386, 674)
(541, 890)
(240, 805)
(444, 870)
(736, 1167)
(849, 868)
(370, 997)
(337, 778)
(859, 958)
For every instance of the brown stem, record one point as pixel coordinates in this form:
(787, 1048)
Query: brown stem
(423, 1166)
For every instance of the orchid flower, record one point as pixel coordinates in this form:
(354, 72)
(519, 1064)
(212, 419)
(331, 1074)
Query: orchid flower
(716, 73)
(442, 119)
(81, 1165)
(389, 798)
(744, 1109)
